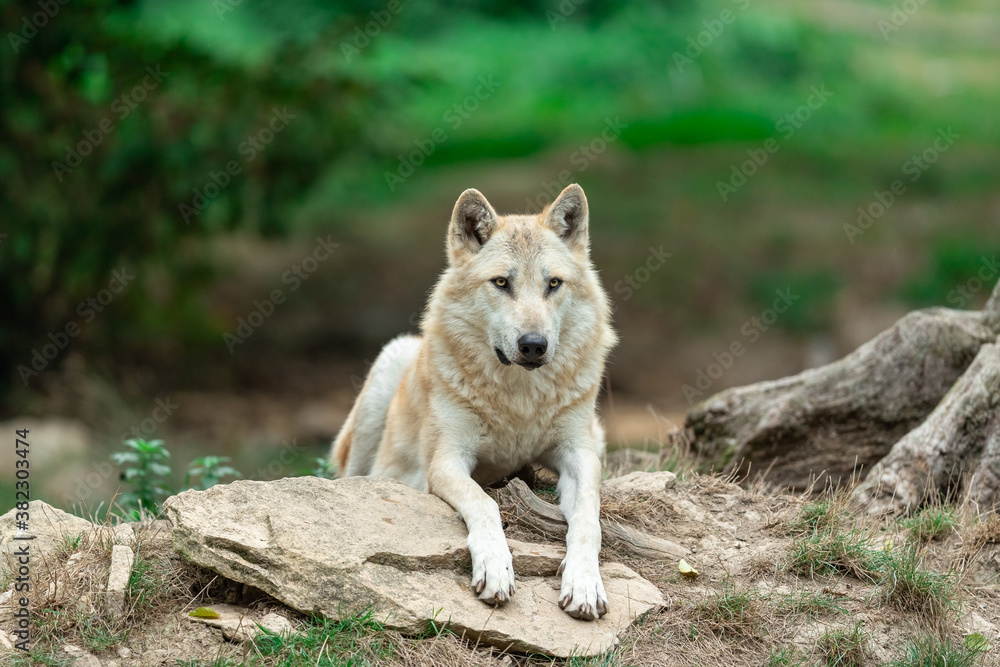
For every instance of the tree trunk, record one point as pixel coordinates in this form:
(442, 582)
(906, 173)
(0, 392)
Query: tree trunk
(961, 436)
(847, 415)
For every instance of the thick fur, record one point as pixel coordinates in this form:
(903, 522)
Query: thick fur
(461, 406)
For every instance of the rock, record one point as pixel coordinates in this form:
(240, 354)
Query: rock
(122, 559)
(639, 483)
(124, 652)
(238, 625)
(51, 528)
(87, 660)
(341, 547)
(122, 534)
(277, 623)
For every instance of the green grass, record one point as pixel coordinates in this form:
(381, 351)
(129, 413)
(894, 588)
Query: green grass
(39, 657)
(906, 585)
(934, 652)
(99, 636)
(811, 603)
(813, 516)
(784, 657)
(327, 643)
(612, 658)
(145, 584)
(930, 523)
(836, 553)
(730, 613)
(844, 647)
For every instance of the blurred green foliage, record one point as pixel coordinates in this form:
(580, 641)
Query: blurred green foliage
(163, 97)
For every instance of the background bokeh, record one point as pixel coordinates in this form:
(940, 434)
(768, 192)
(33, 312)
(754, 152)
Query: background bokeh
(216, 150)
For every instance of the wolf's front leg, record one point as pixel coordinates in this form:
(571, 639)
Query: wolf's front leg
(449, 477)
(582, 594)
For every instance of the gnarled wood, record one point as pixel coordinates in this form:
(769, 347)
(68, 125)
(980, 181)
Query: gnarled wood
(961, 436)
(846, 415)
(527, 508)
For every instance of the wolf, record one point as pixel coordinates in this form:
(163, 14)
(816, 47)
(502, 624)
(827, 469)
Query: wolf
(505, 373)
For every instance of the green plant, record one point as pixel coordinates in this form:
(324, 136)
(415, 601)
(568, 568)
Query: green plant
(730, 613)
(930, 523)
(905, 584)
(832, 552)
(935, 652)
(812, 516)
(146, 472)
(144, 584)
(211, 469)
(38, 657)
(785, 657)
(98, 635)
(811, 602)
(612, 658)
(325, 468)
(844, 647)
(351, 641)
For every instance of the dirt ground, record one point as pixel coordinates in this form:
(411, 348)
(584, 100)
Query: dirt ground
(751, 603)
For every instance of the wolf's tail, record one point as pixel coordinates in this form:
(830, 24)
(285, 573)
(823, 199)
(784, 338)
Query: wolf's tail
(342, 444)
(356, 446)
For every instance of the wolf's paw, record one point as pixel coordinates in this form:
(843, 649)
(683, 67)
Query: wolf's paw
(582, 594)
(492, 569)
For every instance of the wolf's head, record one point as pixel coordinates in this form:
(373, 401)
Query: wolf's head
(521, 286)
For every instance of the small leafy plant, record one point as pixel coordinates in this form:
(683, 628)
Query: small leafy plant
(211, 470)
(147, 470)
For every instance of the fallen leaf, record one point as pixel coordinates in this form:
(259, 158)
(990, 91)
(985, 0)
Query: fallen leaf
(687, 570)
(205, 612)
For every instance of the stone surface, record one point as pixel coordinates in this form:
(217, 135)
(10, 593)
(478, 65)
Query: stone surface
(238, 625)
(50, 528)
(122, 559)
(122, 534)
(639, 483)
(341, 547)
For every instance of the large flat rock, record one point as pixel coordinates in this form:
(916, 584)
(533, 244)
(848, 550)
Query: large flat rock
(342, 547)
(49, 530)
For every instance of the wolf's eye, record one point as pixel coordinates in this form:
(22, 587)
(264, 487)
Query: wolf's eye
(500, 282)
(554, 283)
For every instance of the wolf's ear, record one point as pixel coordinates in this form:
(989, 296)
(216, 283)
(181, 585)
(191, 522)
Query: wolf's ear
(472, 222)
(568, 217)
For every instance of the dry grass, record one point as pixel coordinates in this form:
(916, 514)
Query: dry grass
(931, 523)
(784, 581)
(732, 613)
(844, 646)
(908, 586)
(976, 537)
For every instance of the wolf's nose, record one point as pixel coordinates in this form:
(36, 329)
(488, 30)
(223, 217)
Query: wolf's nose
(532, 346)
